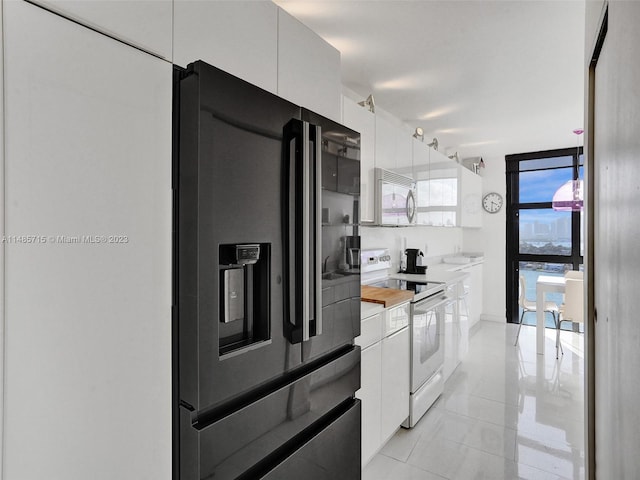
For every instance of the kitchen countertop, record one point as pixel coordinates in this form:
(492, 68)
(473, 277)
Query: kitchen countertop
(432, 275)
(441, 272)
(451, 267)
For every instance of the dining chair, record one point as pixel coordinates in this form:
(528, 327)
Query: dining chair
(572, 310)
(577, 274)
(530, 306)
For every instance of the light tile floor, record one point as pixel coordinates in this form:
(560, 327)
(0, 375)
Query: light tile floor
(506, 413)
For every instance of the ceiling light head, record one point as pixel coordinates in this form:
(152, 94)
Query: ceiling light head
(454, 157)
(434, 144)
(419, 133)
(369, 103)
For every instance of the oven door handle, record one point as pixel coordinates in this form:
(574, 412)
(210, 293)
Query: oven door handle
(427, 305)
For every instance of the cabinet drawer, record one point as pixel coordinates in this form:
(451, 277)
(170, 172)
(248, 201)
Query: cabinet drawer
(370, 331)
(396, 318)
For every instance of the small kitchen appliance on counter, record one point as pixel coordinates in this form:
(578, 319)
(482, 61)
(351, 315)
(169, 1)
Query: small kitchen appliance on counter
(414, 261)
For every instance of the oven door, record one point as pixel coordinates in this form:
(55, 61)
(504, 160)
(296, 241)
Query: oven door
(427, 342)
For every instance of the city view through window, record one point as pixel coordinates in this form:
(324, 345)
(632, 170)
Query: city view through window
(540, 240)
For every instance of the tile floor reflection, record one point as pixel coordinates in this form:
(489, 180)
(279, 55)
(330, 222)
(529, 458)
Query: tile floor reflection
(506, 413)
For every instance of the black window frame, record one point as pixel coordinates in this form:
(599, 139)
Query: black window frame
(513, 207)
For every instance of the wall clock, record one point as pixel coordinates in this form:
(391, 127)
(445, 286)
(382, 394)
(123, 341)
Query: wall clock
(492, 202)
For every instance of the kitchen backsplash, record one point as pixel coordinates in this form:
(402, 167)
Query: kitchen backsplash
(433, 241)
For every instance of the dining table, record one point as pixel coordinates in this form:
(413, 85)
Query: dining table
(545, 284)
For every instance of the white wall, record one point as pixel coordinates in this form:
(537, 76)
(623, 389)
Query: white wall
(491, 239)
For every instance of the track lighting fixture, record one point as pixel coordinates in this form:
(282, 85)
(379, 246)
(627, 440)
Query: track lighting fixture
(369, 103)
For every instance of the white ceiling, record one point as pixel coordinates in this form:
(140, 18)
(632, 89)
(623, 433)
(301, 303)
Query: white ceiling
(487, 78)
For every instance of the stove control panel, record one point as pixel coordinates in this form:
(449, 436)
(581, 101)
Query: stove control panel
(372, 260)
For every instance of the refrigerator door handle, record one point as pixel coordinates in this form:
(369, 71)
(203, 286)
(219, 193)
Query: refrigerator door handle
(306, 229)
(304, 142)
(294, 142)
(317, 224)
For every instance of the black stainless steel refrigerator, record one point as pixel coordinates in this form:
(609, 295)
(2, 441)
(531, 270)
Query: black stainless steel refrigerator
(267, 289)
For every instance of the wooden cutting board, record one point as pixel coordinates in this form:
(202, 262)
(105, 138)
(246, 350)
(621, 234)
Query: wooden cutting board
(385, 296)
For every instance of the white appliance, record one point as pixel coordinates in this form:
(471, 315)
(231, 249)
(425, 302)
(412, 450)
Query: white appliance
(428, 309)
(395, 198)
(427, 354)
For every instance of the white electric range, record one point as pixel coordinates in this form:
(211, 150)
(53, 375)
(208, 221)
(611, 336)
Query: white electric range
(428, 310)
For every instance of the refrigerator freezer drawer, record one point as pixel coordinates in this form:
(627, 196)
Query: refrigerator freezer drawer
(332, 454)
(233, 440)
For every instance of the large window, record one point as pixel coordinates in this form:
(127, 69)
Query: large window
(540, 240)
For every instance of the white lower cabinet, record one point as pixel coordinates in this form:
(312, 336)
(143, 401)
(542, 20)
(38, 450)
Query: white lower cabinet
(370, 394)
(395, 382)
(451, 335)
(456, 327)
(384, 376)
(475, 294)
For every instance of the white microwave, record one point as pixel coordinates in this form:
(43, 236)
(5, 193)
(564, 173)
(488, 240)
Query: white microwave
(395, 198)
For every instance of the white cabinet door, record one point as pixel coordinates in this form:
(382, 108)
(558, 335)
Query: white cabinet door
(145, 24)
(463, 315)
(363, 121)
(475, 295)
(451, 340)
(88, 303)
(393, 145)
(370, 394)
(238, 37)
(420, 169)
(308, 68)
(405, 151)
(443, 190)
(386, 144)
(470, 198)
(395, 382)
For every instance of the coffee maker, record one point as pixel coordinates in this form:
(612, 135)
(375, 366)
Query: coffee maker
(413, 255)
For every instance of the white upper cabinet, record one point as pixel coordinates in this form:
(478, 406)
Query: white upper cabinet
(420, 173)
(143, 24)
(393, 144)
(386, 144)
(87, 175)
(238, 37)
(363, 121)
(444, 188)
(470, 198)
(308, 68)
(405, 150)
